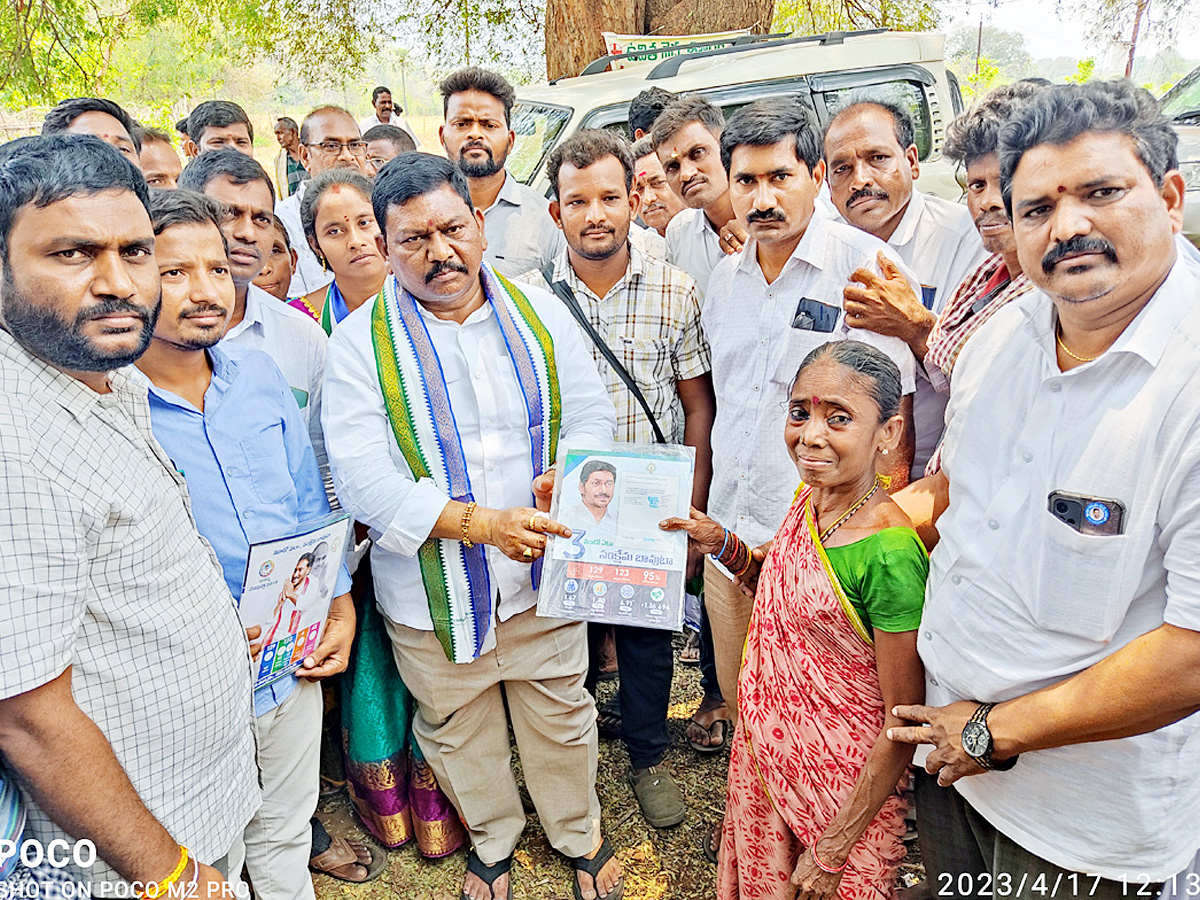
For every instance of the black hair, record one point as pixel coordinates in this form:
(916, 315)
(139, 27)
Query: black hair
(589, 146)
(240, 168)
(867, 362)
(643, 146)
(379, 90)
(769, 121)
(474, 78)
(181, 126)
(306, 125)
(65, 112)
(288, 122)
(902, 123)
(305, 557)
(976, 133)
(413, 175)
(171, 208)
(595, 465)
(217, 114)
(683, 111)
(152, 135)
(1063, 112)
(645, 108)
(317, 188)
(400, 139)
(45, 169)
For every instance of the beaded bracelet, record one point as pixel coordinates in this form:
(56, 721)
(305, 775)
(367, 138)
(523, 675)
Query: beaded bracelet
(465, 524)
(828, 869)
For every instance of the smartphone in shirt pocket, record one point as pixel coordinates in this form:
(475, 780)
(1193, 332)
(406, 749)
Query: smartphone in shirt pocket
(813, 315)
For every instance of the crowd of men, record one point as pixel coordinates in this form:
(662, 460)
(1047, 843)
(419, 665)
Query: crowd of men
(160, 411)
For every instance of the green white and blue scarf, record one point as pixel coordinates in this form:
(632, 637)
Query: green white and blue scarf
(417, 401)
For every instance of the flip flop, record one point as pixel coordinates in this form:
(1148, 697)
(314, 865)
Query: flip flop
(344, 858)
(689, 653)
(488, 874)
(706, 843)
(727, 727)
(608, 719)
(592, 867)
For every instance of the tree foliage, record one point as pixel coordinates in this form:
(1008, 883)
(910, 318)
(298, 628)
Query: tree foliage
(1006, 49)
(818, 16)
(50, 49)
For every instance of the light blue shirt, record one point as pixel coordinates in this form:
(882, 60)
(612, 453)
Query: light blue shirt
(249, 466)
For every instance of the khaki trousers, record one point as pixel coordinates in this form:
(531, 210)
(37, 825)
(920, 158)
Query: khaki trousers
(460, 723)
(729, 615)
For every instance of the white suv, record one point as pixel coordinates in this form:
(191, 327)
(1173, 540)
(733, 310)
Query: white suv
(904, 67)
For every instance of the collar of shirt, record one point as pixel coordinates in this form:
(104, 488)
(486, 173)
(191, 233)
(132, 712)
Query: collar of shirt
(634, 271)
(810, 249)
(1146, 336)
(906, 230)
(252, 318)
(510, 193)
(224, 371)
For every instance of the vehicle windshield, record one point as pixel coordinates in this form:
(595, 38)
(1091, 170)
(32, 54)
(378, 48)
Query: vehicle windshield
(538, 126)
(1182, 102)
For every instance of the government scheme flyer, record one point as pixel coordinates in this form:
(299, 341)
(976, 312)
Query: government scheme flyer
(618, 565)
(287, 591)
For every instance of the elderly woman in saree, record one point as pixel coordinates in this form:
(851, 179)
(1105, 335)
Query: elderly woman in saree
(813, 806)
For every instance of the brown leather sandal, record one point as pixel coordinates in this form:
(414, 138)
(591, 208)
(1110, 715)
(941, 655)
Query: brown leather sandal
(349, 860)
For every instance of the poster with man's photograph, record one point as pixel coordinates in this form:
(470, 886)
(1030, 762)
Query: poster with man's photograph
(618, 565)
(287, 592)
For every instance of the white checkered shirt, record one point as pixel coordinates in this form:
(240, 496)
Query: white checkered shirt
(651, 320)
(102, 571)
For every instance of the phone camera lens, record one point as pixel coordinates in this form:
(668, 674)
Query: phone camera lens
(1061, 507)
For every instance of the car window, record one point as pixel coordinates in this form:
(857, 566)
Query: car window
(538, 126)
(908, 95)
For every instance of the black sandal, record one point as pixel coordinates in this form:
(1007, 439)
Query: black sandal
(592, 867)
(608, 720)
(488, 874)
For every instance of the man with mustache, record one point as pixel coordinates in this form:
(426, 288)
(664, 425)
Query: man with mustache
(1061, 629)
(258, 321)
(971, 141)
(385, 112)
(686, 136)
(124, 688)
(329, 139)
(477, 137)
(765, 310)
(648, 313)
(228, 420)
(218, 125)
(660, 204)
(447, 398)
(871, 154)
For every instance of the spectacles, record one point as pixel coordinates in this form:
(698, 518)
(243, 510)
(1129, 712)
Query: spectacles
(334, 148)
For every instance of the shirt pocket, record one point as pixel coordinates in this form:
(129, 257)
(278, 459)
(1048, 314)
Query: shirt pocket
(1080, 586)
(267, 464)
(648, 360)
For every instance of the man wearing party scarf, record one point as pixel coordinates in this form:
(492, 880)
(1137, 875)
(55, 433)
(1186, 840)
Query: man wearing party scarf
(448, 397)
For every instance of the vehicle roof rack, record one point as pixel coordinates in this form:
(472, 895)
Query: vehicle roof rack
(601, 64)
(670, 67)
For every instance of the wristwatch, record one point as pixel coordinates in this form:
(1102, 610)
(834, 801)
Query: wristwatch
(977, 741)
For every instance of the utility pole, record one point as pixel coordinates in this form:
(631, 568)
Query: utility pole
(1142, 7)
(979, 44)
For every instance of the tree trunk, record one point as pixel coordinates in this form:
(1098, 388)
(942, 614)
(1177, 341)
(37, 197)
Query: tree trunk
(1137, 22)
(573, 26)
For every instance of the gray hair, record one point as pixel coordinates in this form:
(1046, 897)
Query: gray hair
(866, 362)
(976, 133)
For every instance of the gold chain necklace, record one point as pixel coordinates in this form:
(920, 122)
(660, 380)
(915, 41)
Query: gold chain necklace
(845, 517)
(1066, 349)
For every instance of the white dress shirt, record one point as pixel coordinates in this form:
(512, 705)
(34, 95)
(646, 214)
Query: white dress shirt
(755, 355)
(520, 233)
(309, 274)
(397, 121)
(694, 246)
(297, 345)
(373, 480)
(1017, 600)
(938, 241)
(648, 241)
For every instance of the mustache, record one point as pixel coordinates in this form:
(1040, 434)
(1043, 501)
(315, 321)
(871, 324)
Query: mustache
(695, 179)
(765, 215)
(991, 218)
(866, 192)
(113, 306)
(442, 266)
(248, 247)
(1078, 244)
(477, 145)
(202, 309)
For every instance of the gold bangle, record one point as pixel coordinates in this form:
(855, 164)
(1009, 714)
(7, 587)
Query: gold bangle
(157, 889)
(465, 524)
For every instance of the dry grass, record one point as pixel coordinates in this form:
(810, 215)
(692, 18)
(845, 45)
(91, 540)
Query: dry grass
(659, 864)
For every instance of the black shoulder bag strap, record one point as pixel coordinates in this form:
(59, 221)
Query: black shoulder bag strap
(567, 296)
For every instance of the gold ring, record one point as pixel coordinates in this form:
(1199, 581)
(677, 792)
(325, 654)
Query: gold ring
(532, 520)
(528, 553)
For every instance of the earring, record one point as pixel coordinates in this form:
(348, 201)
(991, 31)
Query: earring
(885, 451)
(324, 265)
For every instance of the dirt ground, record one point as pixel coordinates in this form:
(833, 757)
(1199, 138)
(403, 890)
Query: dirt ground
(659, 864)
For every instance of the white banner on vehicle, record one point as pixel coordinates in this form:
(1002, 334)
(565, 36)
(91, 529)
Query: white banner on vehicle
(663, 43)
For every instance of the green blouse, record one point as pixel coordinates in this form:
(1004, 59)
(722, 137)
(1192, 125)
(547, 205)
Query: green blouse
(884, 578)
